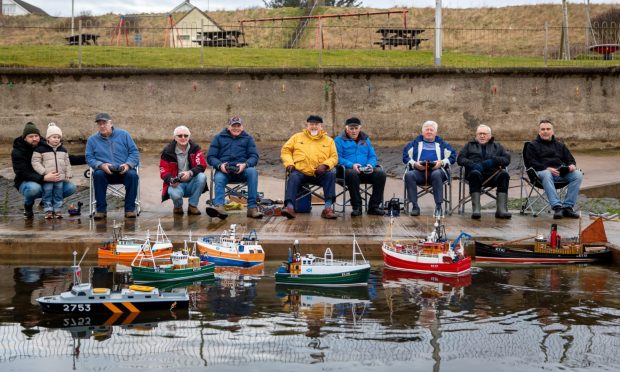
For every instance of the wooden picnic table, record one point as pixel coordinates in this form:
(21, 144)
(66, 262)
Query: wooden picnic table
(86, 39)
(228, 38)
(395, 36)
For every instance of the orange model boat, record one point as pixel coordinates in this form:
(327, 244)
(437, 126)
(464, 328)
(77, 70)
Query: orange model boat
(123, 248)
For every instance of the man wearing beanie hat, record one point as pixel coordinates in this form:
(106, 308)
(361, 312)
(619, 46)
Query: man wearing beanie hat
(48, 157)
(27, 181)
(357, 155)
(309, 158)
(113, 167)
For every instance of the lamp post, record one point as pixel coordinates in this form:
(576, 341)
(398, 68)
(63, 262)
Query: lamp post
(72, 25)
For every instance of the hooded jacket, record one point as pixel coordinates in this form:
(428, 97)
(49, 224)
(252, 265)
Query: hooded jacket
(306, 152)
(352, 152)
(169, 166)
(541, 154)
(233, 150)
(47, 159)
(472, 154)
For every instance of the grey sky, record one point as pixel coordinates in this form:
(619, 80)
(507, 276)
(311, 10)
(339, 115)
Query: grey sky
(63, 7)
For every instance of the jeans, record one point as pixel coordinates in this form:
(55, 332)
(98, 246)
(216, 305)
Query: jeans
(574, 183)
(415, 178)
(249, 175)
(500, 180)
(192, 189)
(52, 196)
(33, 190)
(296, 179)
(101, 180)
(376, 179)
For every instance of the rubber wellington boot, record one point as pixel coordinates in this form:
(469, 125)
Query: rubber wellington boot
(475, 205)
(502, 206)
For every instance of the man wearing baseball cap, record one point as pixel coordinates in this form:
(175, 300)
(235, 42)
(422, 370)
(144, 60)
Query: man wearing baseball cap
(234, 157)
(357, 155)
(310, 157)
(114, 156)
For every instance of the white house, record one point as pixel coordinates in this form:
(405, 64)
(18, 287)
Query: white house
(188, 27)
(18, 7)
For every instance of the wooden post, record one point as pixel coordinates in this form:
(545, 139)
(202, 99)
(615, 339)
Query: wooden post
(564, 43)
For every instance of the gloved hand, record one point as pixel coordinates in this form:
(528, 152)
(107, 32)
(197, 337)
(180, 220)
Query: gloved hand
(290, 168)
(489, 163)
(477, 167)
(320, 170)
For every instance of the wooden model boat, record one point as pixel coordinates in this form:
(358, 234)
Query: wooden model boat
(590, 246)
(230, 250)
(123, 248)
(325, 271)
(182, 265)
(435, 254)
(84, 299)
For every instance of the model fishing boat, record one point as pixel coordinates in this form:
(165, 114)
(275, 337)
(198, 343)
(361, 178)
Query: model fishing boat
(84, 299)
(435, 254)
(325, 271)
(590, 246)
(123, 248)
(180, 266)
(228, 249)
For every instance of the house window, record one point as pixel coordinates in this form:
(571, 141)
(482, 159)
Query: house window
(8, 9)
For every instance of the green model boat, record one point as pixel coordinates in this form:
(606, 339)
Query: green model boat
(181, 266)
(317, 271)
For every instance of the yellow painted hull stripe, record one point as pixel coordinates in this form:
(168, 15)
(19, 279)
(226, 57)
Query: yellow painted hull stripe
(112, 308)
(130, 307)
(130, 318)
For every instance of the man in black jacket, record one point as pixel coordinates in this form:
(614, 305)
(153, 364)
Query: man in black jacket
(485, 163)
(553, 162)
(27, 181)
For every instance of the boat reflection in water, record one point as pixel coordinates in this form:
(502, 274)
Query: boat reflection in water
(234, 293)
(321, 305)
(430, 292)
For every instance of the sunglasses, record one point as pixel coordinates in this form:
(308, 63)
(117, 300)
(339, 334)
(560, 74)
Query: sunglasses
(182, 135)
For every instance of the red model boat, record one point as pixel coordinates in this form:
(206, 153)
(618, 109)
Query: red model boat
(435, 254)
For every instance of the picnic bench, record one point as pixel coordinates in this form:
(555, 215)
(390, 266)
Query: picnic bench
(228, 39)
(395, 36)
(86, 39)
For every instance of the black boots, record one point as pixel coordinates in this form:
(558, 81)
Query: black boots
(28, 213)
(502, 206)
(475, 205)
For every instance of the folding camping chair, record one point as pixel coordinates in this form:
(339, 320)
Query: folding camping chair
(424, 190)
(236, 188)
(464, 195)
(365, 190)
(117, 190)
(303, 201)
(536, 200)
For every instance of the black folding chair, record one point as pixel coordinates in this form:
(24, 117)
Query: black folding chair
(464, 195)
(365, 189)
(309, 190)
(232, 188)
(428, 189)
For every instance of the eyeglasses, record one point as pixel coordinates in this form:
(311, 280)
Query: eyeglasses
(483, 134)
(182, 135)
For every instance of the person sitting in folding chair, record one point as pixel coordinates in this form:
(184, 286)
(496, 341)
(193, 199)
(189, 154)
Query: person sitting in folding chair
(356, 154)
(485, 163)
(234, 156)
(310, 157)
(113, 155)
(428, 158)
(181, 166)
(553, 162)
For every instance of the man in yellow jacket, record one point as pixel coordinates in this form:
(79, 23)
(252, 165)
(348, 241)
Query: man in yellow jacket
(310, 157)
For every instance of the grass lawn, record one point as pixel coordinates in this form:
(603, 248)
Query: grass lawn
(106, 56)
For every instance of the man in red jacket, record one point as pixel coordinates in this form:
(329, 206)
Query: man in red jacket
(182, 167)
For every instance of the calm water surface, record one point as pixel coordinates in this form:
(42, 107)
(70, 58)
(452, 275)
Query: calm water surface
(499, 318)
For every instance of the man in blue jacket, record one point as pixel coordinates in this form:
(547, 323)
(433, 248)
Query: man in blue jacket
(356, 154)
(428, 158)
(233, 147)
(113, 155)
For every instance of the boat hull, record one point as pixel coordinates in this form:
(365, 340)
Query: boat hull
(142, 274)
(339, 279)
(489, 253)
(222, 258)
(108, 254)
(111, 307)
(405, 263)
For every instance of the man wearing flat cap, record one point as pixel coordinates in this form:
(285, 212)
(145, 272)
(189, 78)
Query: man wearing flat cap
(357, 155)
(234, 157)
(553, 162)
(113, 155)
(310, 156)
(27, 180)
